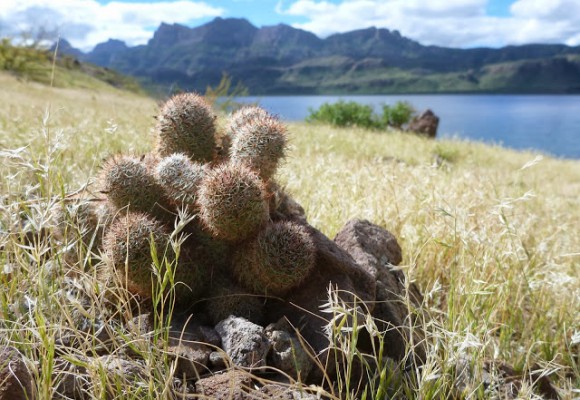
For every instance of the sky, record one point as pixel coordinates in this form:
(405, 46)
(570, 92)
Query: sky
(450, 23)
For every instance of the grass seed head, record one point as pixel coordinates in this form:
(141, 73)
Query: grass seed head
(278, 259)
(186, 124)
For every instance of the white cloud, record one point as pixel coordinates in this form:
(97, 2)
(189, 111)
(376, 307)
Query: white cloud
(454, 23)
(86, 22)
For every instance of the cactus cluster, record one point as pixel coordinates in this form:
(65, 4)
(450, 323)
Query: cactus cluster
(239, 245)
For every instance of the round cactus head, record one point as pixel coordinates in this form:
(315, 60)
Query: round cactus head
(232, 202)
(278, 259)
(186, 124)
(128, 244)
(260, 144)
(243, 117)
(180, 178)
(128, 183)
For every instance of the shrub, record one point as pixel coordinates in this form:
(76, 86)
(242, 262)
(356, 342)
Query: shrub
(397, 115)
(344, 113)
(352, 113)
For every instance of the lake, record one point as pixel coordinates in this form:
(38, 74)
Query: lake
(547, 123)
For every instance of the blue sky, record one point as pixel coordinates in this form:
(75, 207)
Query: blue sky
(452, 23)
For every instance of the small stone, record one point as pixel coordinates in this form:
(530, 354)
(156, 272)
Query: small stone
(230, 385)
(192, 359)
(119, 367)
(71, 381)
(287, 354)
(217, 359)
(280, 392)
(15, 378)
(244, 342)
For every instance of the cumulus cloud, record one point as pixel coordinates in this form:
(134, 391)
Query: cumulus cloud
(454, 23)
(86, 22)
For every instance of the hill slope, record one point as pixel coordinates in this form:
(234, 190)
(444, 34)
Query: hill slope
(66, 71)
(281, 59)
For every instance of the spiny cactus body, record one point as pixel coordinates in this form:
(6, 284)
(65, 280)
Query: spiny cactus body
(260, 144)
(278, 259)
(243, 117)
(186, 124)
(128, 244)
(180, 177)
(232, 201)
(128, 183)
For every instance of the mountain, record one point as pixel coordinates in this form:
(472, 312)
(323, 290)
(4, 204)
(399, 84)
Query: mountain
(281, 59)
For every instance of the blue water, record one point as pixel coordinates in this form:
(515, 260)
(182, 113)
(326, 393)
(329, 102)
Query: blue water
(546, 123)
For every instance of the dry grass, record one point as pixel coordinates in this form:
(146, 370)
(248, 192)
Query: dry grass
(490, 235)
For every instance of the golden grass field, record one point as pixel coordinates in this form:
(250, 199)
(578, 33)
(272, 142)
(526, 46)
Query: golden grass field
(490, 235)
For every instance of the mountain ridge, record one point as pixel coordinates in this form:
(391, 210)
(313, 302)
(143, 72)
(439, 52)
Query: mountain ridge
(280, 59)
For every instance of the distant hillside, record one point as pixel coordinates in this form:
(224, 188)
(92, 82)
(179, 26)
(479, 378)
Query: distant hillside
(67, 71)
(281, 59)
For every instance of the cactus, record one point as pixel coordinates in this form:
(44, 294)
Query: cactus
(260, 143)
(232, 201)
(243, 117)
(128, 183)
(278, 259)
(186, 124)
(180, 177)
(128, 244)
(228, 298)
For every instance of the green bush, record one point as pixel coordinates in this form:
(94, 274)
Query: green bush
(397, 115)
(344, 113)
(351, 113)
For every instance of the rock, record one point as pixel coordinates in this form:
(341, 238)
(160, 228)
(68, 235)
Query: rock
(141, 325)
(280, 392)
(192, 359)
(230, 385)
(183, 389)
(187, 328)
(371, 246)
(287, 353)
(244, 342)
(218, 359)
(426, 124)
(376, 250)
(334, 268)
(15, 377)
(71, 381)
(120, 368)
